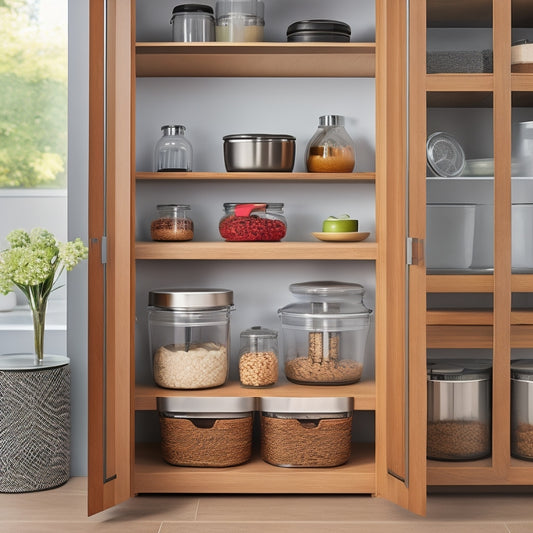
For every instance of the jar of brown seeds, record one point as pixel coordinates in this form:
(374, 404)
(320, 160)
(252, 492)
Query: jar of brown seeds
(172, 223)
(258, 361)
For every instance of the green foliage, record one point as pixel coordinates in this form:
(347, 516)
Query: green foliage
(33, 99)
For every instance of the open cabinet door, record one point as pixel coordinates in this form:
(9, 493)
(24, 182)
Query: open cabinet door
(111, 366)
(400, 270)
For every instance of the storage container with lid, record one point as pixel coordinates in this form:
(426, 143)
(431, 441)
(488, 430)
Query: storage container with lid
(258, 357)
(522, 408)
(253, 222)
(189, 336)
(239, 20)
(330, 149)
(324, 333)
(319, 30)
(193, 23)
(459, 409)
(210, 432)
(306, 432)
(172, 223)
(173, 152)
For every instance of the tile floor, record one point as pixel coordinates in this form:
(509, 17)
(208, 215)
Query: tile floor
(64, 510)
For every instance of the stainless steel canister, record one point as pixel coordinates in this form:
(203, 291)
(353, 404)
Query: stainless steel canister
(459, 409)
(522, 409)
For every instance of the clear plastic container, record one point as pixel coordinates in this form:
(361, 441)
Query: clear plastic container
(173, 152)
(324, 334)
(189, 337)
(172, 223)
(330, 149)
(239, 20)
(193, 23)
(522, 409)
(258, 357)
(253, 222)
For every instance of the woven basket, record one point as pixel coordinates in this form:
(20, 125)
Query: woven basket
(34, 428)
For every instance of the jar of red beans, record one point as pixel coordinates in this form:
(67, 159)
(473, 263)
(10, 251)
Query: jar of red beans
(172, 223)
(253, 222)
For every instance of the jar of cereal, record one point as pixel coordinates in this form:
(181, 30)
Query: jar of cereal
(258, 363)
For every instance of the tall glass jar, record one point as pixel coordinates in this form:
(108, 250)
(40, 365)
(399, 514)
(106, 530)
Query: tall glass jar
(173, 152)
(239, 20)
(172, 223)
(253, 222)
(330, 149)
(258, 357)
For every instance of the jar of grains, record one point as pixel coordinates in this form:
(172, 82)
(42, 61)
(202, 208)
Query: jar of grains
(522, 408)
(253, 222)
(330, 149)
(258, 361)
(324, 333)
(172, 223)
(189, 337)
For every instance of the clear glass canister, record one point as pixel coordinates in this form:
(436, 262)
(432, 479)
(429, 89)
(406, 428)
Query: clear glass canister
(459, 409)
(193, 23)
(172, 223)
(330, 149)
(173, 152)
(239, 20)
(189, 337)
(522, 409)
(258, 357)
(324, 334)
(253, 222)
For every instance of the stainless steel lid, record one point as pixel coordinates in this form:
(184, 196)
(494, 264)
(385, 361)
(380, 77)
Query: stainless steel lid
(327, 288)
(206, 405)
(445, 155)
(261, 137)
(459, 369)
(522, 369)
(305, 405)
(256, 332)
(331, 120)
(190, 298)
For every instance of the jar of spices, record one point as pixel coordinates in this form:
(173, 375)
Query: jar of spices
(258, 363)
(253, 222)
(173, 152)
(330, 149)
(172, 223)
(193, 23)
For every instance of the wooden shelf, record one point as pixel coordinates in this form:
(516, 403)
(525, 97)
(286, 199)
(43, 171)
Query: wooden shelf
(459, 90)
(217, 59)
(474, 317)
(480, 472)
(460, 283)
(475, 336)
(153, 475)
(257, 250)
(363, 393)
(256, 176)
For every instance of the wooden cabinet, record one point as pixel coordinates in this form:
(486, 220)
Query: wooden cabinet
(120, 465)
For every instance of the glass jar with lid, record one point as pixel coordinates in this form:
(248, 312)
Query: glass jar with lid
(324, 333)
(189, 337)
(172, 223)
(173, 152)
(522, 409)
(253, 222)
(239, 20)
(258, 357)
(193, 23)
(330, 149)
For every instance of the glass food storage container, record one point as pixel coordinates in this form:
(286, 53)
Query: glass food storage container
(173, 152)
(330, 149)
(324, 334)
(172, 223)
(193, 23)
(522, 409)
(239, 20)
(459, 409)
(253, 222)
(189, 337)
(258, 357)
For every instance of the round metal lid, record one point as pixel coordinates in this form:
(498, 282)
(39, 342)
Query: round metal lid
(305, 405)
(321, 25)
(258, 137)
(24, 361)
(202, 405)
(192, 8)
(445, 155)
(190, 298)
(327, 288)
(522, 369)
(458, 369)
(259, 332)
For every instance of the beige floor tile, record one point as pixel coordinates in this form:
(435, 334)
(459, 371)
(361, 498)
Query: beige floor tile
(78, 527)
(523, 527)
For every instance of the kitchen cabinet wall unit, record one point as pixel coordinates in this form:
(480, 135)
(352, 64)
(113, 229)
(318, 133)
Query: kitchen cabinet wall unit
(124, 264)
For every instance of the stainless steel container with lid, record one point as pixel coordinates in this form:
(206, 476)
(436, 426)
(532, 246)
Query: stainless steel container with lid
(210, 432)
(189, 337)
(258, 357)
(459, 409)
(319, 30)
(306, 432)
(324, 333)
(522, 409)
(193, 23)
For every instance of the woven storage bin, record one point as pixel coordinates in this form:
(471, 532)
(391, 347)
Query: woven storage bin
(459, 61)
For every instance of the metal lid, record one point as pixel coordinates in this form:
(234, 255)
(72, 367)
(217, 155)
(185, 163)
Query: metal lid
(190, 298)
(256, 332)
(192, 8)
(261, 137)
(271, 205)
(459, 369)
(174, 206)
(522, 369)
(327, 289)
(24, 361)
(331, 120)
(321, 25)
(305, 405)
(445, 155)
(203, 405)
(173, 129)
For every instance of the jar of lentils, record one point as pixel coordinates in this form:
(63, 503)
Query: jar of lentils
(172, 223)
(258, 362)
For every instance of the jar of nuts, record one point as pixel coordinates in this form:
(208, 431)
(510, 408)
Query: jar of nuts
(172, 224)
(258, 363)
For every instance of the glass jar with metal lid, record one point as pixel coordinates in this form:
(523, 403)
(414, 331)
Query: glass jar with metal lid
(189, 337)
(324, 333)
(522, 409)
(258, 357)
(193, 23)
(172, 223)
(459, 409)
(239, 20)
(173, 151)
